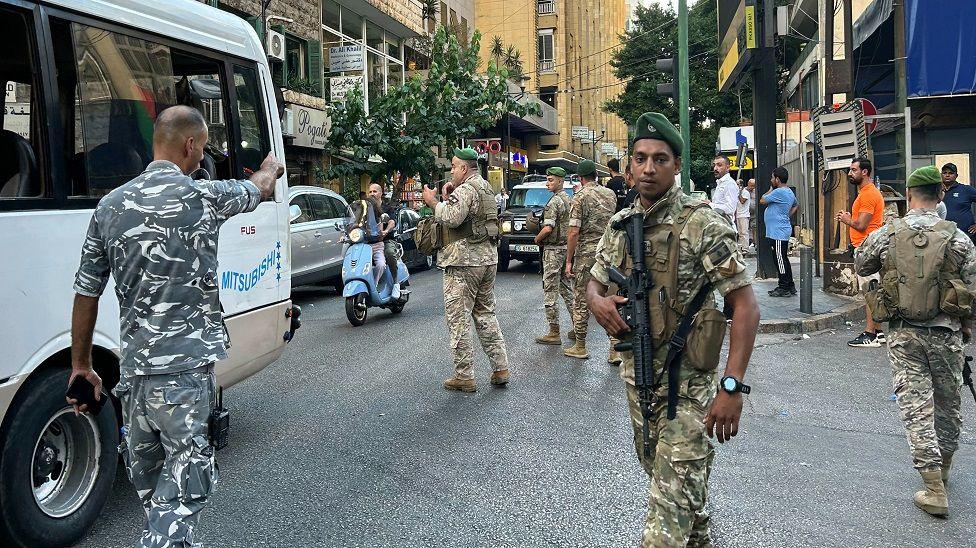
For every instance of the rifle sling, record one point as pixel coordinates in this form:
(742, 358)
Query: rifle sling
(676, 346)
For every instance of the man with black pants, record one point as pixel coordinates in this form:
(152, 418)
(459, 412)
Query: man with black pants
(780, 205)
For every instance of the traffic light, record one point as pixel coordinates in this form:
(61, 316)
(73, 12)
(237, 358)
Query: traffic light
(668, 89)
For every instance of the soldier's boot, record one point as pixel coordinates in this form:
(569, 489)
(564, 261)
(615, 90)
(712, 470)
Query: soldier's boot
(946, 463)
(499, 378)
(578, 350)
(460, 385)
(614, 358)
(571, 335)
(552, 337)
(933, 499)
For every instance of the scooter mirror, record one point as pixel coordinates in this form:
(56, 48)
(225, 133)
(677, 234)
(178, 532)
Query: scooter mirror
(338, 226)
(294, 212)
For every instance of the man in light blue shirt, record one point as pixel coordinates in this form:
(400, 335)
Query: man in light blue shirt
(780, 205)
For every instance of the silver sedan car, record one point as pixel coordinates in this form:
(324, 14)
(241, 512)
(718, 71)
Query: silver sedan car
(316, 246)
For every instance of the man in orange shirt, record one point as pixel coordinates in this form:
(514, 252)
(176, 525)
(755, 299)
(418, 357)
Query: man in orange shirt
(866, 216)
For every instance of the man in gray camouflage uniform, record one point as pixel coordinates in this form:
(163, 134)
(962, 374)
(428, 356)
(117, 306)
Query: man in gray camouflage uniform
(157, 237)
(555, 281)
(469, 261)
(927, 356)
(589, 215)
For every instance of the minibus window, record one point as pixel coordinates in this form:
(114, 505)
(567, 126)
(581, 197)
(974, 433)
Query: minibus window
(20, 154)
(254, 145)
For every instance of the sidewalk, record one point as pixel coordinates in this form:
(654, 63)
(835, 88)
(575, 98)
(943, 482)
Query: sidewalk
(782, 314)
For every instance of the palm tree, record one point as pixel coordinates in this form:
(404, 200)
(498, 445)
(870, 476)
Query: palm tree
(497, 49)
(430, 8)
(513, 61)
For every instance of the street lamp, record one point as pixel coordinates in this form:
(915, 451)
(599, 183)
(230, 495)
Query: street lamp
(603, 135)
(508, 130)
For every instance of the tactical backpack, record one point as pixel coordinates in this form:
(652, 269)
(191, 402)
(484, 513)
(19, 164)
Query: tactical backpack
(919, 279)
(429, 236)
(533, 221)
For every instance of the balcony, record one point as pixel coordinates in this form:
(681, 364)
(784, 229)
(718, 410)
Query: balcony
(546, 7)
(547, 66)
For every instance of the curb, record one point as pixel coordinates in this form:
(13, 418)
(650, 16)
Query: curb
(837, 317)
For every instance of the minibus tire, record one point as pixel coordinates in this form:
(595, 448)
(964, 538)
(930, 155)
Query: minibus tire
(40, 407)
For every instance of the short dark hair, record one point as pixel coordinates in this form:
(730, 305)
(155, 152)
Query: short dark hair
(862, 163)
(926, 192)
(614, 164)
(722, 157)
(473, 164)
(781, 174)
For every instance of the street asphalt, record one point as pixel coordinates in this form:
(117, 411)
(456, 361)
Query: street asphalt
(349, 440)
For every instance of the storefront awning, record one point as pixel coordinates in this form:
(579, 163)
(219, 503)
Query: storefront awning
(566, 160)
(939, 44)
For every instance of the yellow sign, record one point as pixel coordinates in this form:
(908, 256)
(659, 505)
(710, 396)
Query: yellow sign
(728, 65)
(750, 26)
(733, 166)
(740, 36)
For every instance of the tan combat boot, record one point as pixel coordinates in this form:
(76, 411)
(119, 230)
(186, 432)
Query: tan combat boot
(933, 499)
(614, 358)
(946, 463)
(499, 378)
(571, 335)
(461, 385)
(578, 350)
(552, 337)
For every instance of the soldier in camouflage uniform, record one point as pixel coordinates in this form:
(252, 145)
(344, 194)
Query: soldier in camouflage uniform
(592, 208)
(157, 237)
(555, 281)
(927, 356)
(679, 456)
(469, 258)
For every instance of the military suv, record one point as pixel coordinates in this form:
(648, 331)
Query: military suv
(516, 242)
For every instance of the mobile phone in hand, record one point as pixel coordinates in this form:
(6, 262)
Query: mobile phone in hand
(83, 391)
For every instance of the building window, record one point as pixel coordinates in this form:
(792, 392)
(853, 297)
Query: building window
(330, 15)
(464, 30)
(546, 51)
(546, 7)
(443, 14)
(548, 95)
(295, 57)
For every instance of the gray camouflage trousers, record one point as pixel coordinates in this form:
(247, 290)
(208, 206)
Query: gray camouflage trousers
(167, 451)
(926, 366)
(555, 283)
(469, 293)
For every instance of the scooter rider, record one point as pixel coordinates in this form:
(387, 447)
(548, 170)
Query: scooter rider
(388, 229)
(366, 215)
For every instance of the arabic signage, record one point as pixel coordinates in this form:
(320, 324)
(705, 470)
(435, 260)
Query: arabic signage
(339, 86)
(311, 127)
(581, 132)
(16, 118)
(346, 58)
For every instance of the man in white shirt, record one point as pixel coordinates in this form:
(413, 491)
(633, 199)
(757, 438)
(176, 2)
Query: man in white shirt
(742, 215)
(725, 197)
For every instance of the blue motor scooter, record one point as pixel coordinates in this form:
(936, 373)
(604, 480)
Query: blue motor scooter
(359, 288)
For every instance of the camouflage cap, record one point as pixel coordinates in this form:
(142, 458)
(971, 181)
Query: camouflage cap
(556, 171)
(465, 153)
(653, 125)
(586, 168)
(923, 176)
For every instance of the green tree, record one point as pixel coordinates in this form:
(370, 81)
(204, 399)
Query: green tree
(497, 49)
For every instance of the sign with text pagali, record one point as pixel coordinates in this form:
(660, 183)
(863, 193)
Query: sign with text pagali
(311, 127)
(339, 86)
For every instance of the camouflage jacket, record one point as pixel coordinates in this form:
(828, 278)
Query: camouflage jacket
(556, 215)
(708, 253)
(592, 208)
(461, 204)
(157, 236)
(870, 256)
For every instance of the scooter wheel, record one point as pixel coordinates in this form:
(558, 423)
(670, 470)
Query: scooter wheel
(356, 309)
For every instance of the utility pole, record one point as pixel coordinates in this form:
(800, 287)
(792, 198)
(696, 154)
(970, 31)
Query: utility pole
(683, 117)
(764, 99)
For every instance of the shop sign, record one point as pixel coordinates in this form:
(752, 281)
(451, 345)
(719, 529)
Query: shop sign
(581, 132)
(311, 127)
(10, 95)
(339, 86)
(346, 58)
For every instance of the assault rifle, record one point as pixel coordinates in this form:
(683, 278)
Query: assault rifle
(967, 375)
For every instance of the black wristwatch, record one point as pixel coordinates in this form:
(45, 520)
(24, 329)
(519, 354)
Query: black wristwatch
(732, 385)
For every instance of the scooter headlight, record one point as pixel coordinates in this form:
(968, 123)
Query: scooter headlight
(356, 235)
(506, 227)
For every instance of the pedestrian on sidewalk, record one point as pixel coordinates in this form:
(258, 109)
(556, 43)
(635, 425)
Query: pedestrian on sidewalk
(780, 202)
(701, 257)
(866, 216)
(617, 183)
(725, 197)
(742, 214)
(959, 200)
(753, 214)
(469, 258)
(556, 282)
(928, 327)
(157, 237)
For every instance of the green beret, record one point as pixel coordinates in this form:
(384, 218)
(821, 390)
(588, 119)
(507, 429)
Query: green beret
(586, 168)
(556, 171)
(923, 176)
(465, 153)
(653, 125)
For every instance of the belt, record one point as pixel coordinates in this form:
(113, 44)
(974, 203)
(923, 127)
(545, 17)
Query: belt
(902, 324)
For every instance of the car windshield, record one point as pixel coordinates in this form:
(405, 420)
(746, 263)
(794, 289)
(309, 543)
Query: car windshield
(531, 197)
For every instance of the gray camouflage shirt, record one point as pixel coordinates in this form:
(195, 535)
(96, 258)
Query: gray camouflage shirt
(157, 236)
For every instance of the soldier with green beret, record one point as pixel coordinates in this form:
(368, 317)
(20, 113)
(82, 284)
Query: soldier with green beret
(556, 281)
(929, 322)
(556, 171)
(469, 258)
(691, 251)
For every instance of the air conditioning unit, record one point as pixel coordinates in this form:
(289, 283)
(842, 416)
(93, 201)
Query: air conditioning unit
(276, 46)
(288, 123)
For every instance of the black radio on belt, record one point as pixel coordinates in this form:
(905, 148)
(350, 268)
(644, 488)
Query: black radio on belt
(219, 422)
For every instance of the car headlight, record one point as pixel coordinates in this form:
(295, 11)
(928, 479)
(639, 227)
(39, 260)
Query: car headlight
(356, 235)
(507, 227)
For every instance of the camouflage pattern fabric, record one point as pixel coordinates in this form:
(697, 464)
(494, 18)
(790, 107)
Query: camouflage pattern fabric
(157, 236)
(469, 293)
(870, 257)
(556, 283)
(926, 366)
(581, 277)
(591, 210)
(556, 215)
(463, 203)
(167, 452)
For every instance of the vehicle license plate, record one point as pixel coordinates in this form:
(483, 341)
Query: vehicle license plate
(524, 248)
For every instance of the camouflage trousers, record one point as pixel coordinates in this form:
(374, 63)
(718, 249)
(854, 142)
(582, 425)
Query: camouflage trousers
(167, 452)
(581, 277)
(556, 283)
(678, 466)
(926, 366)
(469, 293)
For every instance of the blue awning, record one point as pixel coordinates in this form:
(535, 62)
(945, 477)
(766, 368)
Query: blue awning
(939, 44)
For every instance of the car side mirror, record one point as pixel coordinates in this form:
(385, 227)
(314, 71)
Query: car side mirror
(294, 212)
(338, 226)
